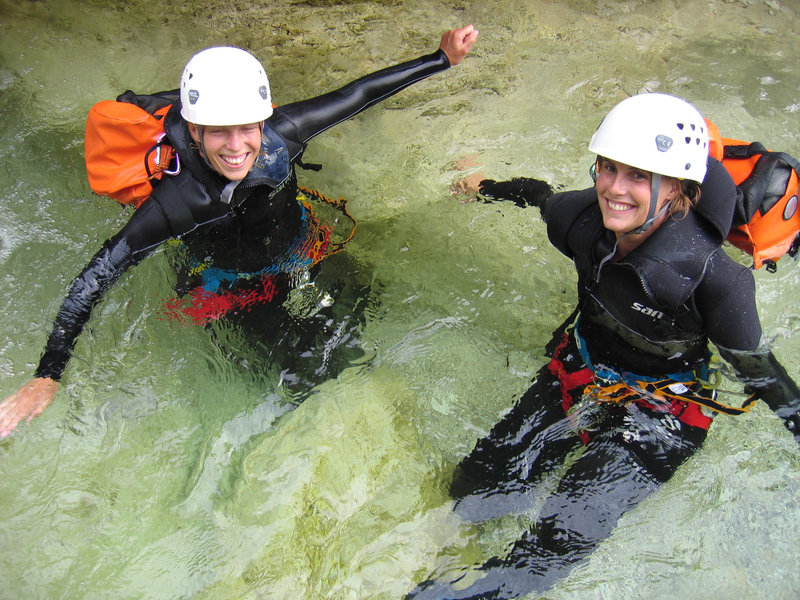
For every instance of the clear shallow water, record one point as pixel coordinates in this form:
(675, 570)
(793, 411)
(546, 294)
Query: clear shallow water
(164, 470)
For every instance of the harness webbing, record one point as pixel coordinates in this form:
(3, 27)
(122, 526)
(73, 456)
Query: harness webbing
(341, 206)
(611, 386)
(663, 390)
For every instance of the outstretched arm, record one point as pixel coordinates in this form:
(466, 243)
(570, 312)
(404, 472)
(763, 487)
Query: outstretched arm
(117, 254)
(39, 392)
(301, 121)
(522, 191)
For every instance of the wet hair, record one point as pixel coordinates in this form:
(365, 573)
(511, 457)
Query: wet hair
(689, 196)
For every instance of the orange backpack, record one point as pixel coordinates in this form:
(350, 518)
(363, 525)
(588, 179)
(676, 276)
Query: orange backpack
(767, 222)
(125, 147)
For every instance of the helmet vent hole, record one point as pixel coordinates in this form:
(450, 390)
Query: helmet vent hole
(680, 126)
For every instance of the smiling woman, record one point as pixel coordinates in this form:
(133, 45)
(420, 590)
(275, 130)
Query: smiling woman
(244, 228)
(225, 99)
(625, 395)
(625, 197)
(231, 150)
(652, 151)
(177, 463)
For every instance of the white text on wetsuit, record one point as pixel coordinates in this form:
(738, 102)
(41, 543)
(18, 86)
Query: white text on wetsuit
(650, 312)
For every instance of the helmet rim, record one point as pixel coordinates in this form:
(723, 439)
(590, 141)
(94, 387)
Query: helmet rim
(655, 132)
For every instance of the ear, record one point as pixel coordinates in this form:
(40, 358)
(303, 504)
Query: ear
(194, 132)
(675, 188)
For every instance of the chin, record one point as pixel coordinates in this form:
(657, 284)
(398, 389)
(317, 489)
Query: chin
(233, 175)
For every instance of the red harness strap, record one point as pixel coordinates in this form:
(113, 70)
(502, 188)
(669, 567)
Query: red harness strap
(686, 412)
(569, 381)
(689, 413)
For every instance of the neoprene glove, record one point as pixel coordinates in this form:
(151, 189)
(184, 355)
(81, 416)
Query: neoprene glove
(522, 191)
(765, 377)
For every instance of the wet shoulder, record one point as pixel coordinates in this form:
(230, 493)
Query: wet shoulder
(569, 212)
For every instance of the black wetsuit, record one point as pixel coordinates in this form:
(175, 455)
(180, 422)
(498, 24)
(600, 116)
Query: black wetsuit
(240, 227)
(654, 311)
(649, 314)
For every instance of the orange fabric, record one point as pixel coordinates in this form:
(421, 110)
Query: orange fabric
(715, 145)
(768, 236)
(119, 136)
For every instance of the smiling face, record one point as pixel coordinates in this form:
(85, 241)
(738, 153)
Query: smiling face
(232, 149)
(624, 195)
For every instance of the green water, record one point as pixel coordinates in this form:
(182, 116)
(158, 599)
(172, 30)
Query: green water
(165, 471)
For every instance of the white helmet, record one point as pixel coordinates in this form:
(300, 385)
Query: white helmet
(657, 133)
(224, 86)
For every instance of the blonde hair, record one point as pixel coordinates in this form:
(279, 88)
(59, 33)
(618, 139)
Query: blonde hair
(688, 197)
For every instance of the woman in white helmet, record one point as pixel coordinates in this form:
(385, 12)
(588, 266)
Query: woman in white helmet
(654, 287)
(233, 202)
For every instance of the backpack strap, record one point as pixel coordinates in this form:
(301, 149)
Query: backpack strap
(748, 150)
(766, 184)
(150, 102)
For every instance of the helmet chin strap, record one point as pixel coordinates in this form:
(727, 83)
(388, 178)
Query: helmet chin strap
(652, 217)
(655, 188)
(202, 145)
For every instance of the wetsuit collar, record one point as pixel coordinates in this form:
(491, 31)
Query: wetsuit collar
(272, 165)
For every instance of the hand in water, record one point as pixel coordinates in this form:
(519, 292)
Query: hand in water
(28, 402)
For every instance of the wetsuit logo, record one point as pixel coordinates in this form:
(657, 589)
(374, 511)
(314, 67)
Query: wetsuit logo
(650, 312)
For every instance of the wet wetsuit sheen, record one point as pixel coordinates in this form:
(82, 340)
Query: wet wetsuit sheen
(651, 313)
(240, 227)
(654, 311)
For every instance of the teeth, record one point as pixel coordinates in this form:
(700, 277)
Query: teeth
(619, 207)
(233, 161)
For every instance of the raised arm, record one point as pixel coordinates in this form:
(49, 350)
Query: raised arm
(303, 120)
(456, 43)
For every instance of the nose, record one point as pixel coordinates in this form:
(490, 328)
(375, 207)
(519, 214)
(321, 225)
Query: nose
(617, 184)
(235, 140)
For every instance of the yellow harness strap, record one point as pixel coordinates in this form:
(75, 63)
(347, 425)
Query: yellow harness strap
(664, 390)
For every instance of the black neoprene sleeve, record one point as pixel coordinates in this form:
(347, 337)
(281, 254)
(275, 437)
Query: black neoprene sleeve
(145, 231)
(149, 227)
(101, 273)
(313, 116)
